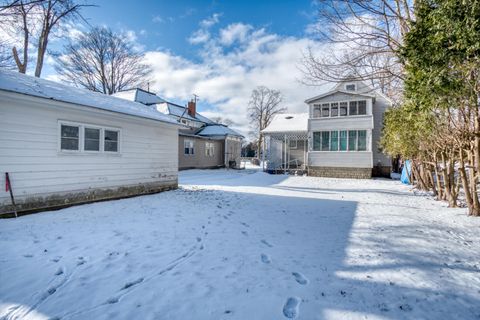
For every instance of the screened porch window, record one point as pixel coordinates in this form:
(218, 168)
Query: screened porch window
(343, 109)
(111, 141)
(91, 139)
(334, 109)
(325, 110)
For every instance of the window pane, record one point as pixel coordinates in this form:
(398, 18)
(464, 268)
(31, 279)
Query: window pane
(325, 110)
(316, 141)
(111, 141)
(92, 139)
(111, 135)
(343, 108)
(325, 140)
(362, 107)
(69, 144)
(69, 131)
(316, 111)
(352, 140)
(334, 141)
(353, 108)
(362, 140)
(350, 87)
(334, 110)
(186, 150)
(69, 137)
(111, 146)
(343, 140)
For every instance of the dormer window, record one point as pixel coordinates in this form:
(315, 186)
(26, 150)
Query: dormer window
(350, 87)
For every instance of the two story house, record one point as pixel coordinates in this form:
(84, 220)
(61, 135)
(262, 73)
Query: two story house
(338, 137)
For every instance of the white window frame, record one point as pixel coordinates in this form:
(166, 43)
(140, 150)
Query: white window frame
(351, 84)
(339, 102)
(209, 149)
(81, 137)
(191, 147)
(367, 141)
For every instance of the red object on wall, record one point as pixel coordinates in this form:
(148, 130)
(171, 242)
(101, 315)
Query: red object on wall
(7, 182)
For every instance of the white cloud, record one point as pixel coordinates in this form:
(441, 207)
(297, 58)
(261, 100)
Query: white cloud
(202, 35)
(234, 32)
(226, 75)
(209, 22)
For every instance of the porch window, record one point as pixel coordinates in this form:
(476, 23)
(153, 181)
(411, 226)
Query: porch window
(353, 111)
(343, 140)
(334, 109)
(188, 147)
(317, 138)
(292, 143)
(352, 140)
(362, 107)
(343, 109)
(325, 110)
(70, 137)
(325, 140)
(92, 139)
(111, 141)
(316, 111)
(334, 141)
(362, 140)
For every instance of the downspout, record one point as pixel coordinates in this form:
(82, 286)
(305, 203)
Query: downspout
(263, 152)
(285, 157)
(225, 152)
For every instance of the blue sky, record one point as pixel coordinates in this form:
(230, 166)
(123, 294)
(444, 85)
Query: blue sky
(167, 25)
(219, 50)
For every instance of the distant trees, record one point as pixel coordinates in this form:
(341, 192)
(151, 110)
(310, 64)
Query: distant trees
(263, 106)
(102, 61)
(222, 120)
(438, 125)
(35, 21)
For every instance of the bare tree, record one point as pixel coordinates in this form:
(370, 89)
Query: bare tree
(102, 61)
(363, 38)
(263, 106)
(222, 120)
(35, 19)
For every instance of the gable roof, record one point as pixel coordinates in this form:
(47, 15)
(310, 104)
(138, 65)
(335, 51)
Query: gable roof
(288, 122)
(218, 130)
(41, 88)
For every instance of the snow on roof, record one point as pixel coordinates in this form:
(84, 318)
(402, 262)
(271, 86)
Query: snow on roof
(218, 130)
(32, 86)
(179, 111)
(288, 122)
(139, 95)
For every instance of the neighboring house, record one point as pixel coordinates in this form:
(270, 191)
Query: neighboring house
(338, 137)
(202, 143)
(63, 145)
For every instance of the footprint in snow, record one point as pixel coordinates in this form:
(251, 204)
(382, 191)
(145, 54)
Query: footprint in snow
(265, 242)
(199, 239)
(28, 255)
(291, 307)
(112, 300)
(132, 283)
(300, 278)
(59, 272)
(245, 233)
(265, 258)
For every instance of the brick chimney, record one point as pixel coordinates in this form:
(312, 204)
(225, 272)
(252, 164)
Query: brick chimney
(192, 108)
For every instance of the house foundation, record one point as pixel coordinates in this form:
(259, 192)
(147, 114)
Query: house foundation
(340, 172)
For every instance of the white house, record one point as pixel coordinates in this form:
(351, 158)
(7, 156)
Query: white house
(63, 145)
(338, 137)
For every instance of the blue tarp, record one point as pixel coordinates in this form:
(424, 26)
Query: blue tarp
(407, 169)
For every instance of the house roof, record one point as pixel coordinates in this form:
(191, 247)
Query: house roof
(326, 94)
(288, 122)
(139, 95)
(179, 111)
(37, 87)
(218, 130)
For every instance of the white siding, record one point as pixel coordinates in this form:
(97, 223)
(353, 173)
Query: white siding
(341, 123)
(29, 139)
(343, 159)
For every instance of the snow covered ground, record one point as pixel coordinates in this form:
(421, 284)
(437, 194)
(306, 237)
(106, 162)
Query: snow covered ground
(246, 245)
